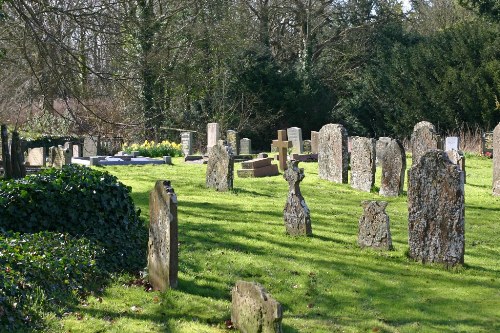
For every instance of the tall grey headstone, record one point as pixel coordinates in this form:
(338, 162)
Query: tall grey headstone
(332, 153)
(363, 163)
(294, 134)
(187, 143)
(436, 210)
(296, 213)
(253, 310)
(163, 250)
(213, 135)
(90, 146)
(245, 146)
(496, 161)
(452, 143)
(232, 139)
(373, 226)
(393, 165)
(380, 147)
(423, 139)
(220, 168)
(314, 142)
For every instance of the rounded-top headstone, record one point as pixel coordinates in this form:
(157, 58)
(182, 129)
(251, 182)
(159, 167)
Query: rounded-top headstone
(423, 139)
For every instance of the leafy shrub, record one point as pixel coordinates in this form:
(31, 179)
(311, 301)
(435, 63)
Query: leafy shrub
(152, 149)
(82, 202)
(43, 272)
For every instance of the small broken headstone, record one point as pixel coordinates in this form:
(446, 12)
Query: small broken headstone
(296, 213)
(253, 310)
(220, 168)
(373, 227)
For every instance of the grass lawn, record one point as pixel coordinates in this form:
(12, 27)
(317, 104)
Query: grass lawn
(325, 283)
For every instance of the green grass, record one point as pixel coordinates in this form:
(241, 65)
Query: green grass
(324, 282)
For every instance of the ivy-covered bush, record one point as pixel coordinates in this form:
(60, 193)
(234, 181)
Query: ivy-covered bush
(81, 202)
(154, 149)
(43, 272)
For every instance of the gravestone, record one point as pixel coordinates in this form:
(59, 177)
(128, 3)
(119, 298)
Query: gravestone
(452, 143)
(220, 168)
(458, 158)
(282, 144)
(296, 213)
(36, 156)
(487, 143)
(259, 167)
(363, 163)
(245, 146)
(163, 250)
(307, 146)
(187, 143)
(423, 139)
(58, 156)
(90, 146)
(373, 226)
(253, 310)
(380, 147)
(233, 141)
(78, 150)
(213, 135)
(393, 165)
(496, 161)
(314, 142)
(436, 210)
(332, 153)
(294, 135)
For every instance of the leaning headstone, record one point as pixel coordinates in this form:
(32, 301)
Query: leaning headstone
(253, 310)
(373, 226)
(220, 168)
(380, 147)
(436, 210)
(245, 146)
(213, 135)
(282, 144)
(294, 135)
(163, 251)
(187, 143)
(233, 141)
(393, 165)
(296, 213)
(363, 163)
(496, 160)
(332, 153)
(314, 142)
(452, 143)
(423, 139)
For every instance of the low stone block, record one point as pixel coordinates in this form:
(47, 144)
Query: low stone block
(268, 170)
(256, 163)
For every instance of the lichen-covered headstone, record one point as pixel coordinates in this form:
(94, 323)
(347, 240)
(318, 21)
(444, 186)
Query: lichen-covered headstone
(436, 223)
(373, 227)
(393, 165)
(253, 310)
(423, 139)
(332, 153)
(380, 147)
(163, 251)
(496, 160)
(220, 168)
(58, 156)
(362, 163)
(296, 213)
(233, 141)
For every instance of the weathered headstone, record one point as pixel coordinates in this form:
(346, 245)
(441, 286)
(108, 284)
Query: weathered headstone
(296, 213)
(423, 139)
(163, 250)
(373, 227)
(487, 143)
(245, 146)
(90, 146)
(307, 146)
(294, 135)
(220, 168)
(78, 150)
(332, 153)
(259, 167)
(282, 144)
(36, 156)
(187, 143)
(253, 310)
(213, 135)
(58, 156)
(452, 143)
(393, 165)
(314, 142)
(233, 141)
(496, 161)
(436, 210)
(363, 163)
(380, 147)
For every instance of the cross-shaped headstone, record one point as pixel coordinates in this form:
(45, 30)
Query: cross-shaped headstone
(282, 144)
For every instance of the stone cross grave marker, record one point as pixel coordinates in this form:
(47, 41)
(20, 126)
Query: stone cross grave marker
(496, 161)
(163, 251)
(213, 135)
(314, 142)
(282, 145)
(363, 163)
(393, 165)
(187, 143)
(296, 213)
(452, 143)
(220, 168)
(373, 226)
(233, 141)
(436, 210)
(253, 310)
(245, 146)
(423, 139)
(294, 135)
(332, 153)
